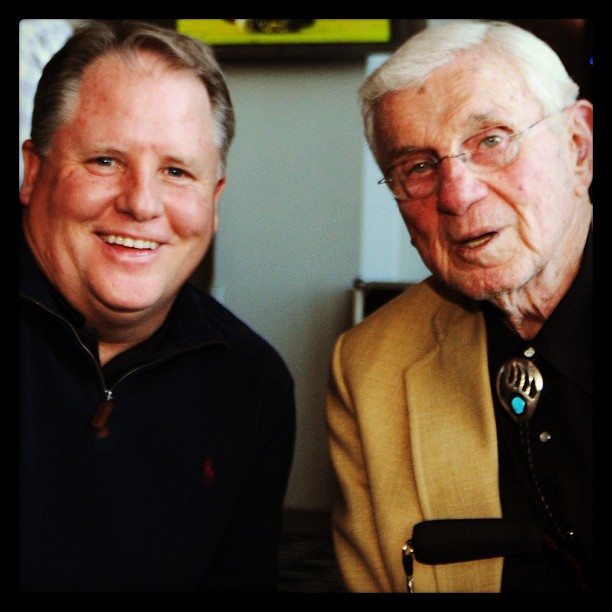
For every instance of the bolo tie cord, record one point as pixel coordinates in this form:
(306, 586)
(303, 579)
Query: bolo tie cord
(519, 386)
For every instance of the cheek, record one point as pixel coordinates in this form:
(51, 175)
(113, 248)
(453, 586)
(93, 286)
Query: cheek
(419, 220)
(536, 193)
(78, 199)
(422, 223)
(541, 169)
(193, 218)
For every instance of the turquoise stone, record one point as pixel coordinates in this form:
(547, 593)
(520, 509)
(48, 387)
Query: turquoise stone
(518, 404)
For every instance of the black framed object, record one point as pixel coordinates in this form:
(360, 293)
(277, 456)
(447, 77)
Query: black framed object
(368, 296)
(295, 39)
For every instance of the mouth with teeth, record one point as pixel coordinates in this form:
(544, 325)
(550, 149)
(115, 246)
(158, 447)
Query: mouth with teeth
(130, 243)
(473, 243)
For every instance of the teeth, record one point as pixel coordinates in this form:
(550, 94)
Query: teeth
(476, 242)
(130, 242)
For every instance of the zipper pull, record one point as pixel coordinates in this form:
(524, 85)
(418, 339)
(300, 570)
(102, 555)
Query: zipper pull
(101, 416)
(408, 563)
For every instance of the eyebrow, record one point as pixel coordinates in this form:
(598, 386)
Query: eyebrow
(172, 160)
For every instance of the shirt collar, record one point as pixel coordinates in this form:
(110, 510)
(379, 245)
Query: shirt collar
(572, 321)
(565, 340)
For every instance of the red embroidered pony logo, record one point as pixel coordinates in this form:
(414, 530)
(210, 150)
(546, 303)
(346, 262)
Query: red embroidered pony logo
(209, 471)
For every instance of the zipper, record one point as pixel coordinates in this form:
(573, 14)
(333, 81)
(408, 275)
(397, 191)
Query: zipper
(102, 414)
(100, 419)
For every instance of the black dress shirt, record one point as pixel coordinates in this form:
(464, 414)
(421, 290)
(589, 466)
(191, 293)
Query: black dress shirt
(546, 465)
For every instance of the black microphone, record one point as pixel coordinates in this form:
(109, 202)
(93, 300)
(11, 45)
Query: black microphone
(456, 540)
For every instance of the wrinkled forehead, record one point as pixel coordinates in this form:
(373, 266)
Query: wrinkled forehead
(470, 91)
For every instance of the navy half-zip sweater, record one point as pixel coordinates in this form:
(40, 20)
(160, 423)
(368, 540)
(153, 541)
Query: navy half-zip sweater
(181, 488)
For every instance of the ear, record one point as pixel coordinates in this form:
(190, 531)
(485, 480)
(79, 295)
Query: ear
(219, 187)
(581, 130)
(31, 168)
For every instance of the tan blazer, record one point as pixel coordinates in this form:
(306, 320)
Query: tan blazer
(412, 437)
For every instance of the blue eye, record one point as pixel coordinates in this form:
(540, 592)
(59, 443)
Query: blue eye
(176, 172)
(491, 141)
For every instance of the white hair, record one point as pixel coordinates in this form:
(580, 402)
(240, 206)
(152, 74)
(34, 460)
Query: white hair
(411, 64)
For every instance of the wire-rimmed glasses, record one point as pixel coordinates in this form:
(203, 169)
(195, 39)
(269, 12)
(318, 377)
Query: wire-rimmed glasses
(417, 174)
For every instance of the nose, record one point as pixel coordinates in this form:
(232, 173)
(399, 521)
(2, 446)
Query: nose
(140, 197)
(459, 187)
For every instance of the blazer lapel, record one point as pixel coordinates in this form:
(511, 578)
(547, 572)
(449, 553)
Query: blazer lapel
(452, 424)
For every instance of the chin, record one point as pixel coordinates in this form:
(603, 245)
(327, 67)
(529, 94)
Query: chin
(484, 287)
(124, 307)
(134, 300)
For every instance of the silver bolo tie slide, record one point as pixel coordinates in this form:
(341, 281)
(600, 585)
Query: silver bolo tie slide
(519, 386)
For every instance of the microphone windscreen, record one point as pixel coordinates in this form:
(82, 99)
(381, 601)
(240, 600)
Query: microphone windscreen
(456, 540)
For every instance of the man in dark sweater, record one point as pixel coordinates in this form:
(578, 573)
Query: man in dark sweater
(156, 428)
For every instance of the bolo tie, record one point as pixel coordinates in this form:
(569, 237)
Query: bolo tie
(519, 387)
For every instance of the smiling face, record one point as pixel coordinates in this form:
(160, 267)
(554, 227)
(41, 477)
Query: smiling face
(124, 205)
(486, 233)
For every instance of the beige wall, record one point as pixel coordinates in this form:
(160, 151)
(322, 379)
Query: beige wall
(290, 220)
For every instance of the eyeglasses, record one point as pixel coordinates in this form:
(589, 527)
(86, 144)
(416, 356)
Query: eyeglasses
(417, 175)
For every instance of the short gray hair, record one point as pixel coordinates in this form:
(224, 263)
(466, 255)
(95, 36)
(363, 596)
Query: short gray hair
(61, 77)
